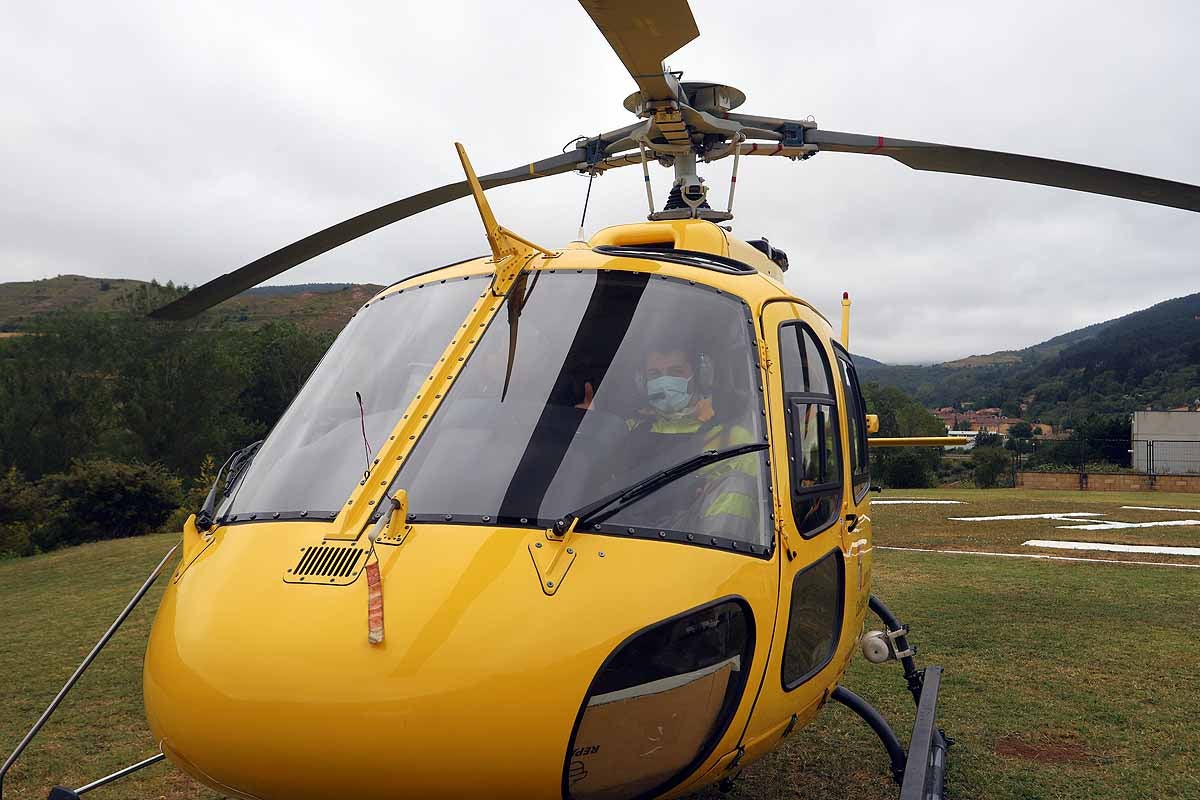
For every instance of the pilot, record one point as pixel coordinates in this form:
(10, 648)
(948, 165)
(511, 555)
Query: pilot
(679, 421)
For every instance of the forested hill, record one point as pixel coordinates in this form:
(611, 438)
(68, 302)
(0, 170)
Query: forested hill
(1147, 358)
(318, 306)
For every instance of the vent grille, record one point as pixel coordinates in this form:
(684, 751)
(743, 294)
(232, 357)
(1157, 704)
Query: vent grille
(326, 564)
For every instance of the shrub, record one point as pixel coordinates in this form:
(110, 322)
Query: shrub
(198, 493)
(906, 468)
(15, 539)
(955, 472)
(102, 499)
(194, 497)
(990, 464)
(1100, 467)
(19, 509)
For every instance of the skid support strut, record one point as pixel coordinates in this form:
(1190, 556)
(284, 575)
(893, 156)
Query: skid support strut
(87, 662)
(921, 772)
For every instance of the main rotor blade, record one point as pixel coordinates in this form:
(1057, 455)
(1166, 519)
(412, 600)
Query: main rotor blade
(1012, 167)
(643, 34)
(254, 273)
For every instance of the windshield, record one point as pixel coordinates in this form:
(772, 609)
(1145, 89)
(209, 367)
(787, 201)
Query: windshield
(616, 375)
(320, 448)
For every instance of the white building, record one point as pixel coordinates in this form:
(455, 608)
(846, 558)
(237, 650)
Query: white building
(1166, 442)
(966, 435)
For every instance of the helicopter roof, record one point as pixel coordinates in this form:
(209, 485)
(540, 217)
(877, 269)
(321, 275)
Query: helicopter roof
(673, 247)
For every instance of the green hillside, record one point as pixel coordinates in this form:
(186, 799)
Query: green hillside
(1150, 358)
(1147, 358)
(21, 301)
(318, 306)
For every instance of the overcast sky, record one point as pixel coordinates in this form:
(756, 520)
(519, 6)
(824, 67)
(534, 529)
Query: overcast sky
(151, 139)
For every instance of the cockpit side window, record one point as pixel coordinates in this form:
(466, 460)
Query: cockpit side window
(856, 417)
(814, 444)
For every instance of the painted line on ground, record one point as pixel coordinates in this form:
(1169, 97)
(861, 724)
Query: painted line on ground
(1144, 549)
(1113, 525)
(1156, 508)
(916, 502)
(1067, 516)
(1040, 556)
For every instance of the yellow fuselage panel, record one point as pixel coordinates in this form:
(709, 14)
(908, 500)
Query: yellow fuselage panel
(272, 689)
(268, 688)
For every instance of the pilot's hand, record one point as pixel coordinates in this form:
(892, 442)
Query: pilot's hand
(588, 394)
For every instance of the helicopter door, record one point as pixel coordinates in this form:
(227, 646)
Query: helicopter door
(809, 650)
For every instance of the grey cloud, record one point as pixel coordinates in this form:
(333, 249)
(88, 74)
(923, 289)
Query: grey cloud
(178, 141)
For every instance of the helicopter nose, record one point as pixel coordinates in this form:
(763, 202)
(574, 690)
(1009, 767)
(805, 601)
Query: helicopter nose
(265, 688)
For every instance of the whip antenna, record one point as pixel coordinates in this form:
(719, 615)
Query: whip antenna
(586, 198)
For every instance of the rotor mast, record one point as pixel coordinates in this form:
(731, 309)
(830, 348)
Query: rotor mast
(679, 130)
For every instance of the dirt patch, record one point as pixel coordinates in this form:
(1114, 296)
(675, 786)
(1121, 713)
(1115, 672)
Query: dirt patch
(1053, 748)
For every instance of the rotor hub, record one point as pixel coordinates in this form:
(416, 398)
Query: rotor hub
(714, 98)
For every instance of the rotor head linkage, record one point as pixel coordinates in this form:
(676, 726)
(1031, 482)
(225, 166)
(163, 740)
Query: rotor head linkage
(688, 197)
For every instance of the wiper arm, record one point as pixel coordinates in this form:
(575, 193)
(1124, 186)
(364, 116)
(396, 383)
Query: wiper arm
(616, 502)
(517, 299)
(235, 464)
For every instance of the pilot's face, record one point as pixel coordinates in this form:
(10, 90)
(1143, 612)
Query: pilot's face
(674, 363)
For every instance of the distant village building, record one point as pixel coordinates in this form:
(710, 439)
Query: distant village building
(986, 420)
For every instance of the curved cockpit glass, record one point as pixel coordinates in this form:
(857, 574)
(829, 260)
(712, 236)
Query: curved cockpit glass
(614, 376)
(319, 449)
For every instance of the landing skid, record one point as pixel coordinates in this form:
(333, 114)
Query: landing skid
(921, 772)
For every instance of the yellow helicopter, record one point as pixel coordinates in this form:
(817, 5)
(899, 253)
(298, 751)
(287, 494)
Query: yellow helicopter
(577, 523)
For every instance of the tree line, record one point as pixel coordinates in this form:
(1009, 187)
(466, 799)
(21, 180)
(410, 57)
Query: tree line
(113, 424)
(110, 422)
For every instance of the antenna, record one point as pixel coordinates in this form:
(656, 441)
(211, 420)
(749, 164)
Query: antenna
(846, 320)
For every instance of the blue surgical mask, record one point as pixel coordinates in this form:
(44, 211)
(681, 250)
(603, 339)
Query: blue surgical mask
(668, 393)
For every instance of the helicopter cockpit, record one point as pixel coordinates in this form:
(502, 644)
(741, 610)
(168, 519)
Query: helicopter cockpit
(574, 420)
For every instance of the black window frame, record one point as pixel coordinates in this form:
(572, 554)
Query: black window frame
(835, 488)
(839, 620)
(734, 697)
(860, 473)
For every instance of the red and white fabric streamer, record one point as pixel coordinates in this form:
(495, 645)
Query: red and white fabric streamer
(374, 601)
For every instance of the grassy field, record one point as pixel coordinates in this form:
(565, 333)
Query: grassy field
(1063, 679)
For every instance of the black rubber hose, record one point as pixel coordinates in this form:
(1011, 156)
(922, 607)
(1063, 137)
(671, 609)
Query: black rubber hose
(878, 724)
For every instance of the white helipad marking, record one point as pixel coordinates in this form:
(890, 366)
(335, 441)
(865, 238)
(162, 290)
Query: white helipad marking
(1156, 508)
(1040, 556)
(1112, 525)
(1116, 548)
(1065, 516)
(916, 502)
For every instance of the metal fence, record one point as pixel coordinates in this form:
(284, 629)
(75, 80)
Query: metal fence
(1148, 456)
(1166, 457)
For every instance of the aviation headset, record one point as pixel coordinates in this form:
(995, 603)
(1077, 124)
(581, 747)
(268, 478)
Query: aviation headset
(705, 375)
